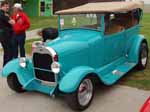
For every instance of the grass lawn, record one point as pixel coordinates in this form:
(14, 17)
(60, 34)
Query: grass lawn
(28, 46)
(138, 79)
(42, 22)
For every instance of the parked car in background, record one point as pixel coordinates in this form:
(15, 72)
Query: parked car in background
(96, 41)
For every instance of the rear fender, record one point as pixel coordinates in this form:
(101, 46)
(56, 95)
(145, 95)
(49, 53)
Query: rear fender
(133, 55)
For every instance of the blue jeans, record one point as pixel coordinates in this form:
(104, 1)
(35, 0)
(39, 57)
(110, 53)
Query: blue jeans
(19, 42)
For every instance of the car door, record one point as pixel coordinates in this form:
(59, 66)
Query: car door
(114, 46)
(114, 38)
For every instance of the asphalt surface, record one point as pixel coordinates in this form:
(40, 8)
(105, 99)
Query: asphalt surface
(107, 99)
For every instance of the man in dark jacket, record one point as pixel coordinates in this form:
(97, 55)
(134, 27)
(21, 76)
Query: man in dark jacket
(6, 32)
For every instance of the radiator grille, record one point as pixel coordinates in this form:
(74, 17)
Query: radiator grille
(42, 67)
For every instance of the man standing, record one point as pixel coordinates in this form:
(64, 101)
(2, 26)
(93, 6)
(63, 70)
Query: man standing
(22, 23)
(6, 32)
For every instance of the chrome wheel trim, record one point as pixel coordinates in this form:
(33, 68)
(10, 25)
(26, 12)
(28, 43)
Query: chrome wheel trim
(85, 92)
(144, 57)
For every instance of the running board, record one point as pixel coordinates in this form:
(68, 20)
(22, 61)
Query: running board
(113, 76)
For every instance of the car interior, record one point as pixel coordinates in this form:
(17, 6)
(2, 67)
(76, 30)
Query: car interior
(118, 22)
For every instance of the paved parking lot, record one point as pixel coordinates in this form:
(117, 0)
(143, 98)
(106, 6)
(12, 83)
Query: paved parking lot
(107, 99)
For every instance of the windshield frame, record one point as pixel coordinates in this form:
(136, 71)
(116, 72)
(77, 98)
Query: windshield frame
(101, 23)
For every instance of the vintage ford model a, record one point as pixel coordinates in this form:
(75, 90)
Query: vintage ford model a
(96, 41)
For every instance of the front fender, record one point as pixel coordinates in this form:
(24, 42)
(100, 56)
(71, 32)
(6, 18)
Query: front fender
(71, 80)
(23, 74)
(133, 55)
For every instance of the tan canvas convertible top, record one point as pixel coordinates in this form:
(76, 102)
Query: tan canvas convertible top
(102, 7)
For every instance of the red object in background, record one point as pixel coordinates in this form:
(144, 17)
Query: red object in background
(146, 106)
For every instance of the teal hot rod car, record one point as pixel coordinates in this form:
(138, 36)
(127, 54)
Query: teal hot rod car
(96, 41)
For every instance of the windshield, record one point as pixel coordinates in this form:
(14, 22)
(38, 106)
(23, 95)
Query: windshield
(86, 21)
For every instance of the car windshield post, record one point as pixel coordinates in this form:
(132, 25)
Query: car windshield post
(140, 12)
(58, 22)
(102, 22)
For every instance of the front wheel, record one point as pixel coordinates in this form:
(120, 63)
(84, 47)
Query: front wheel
(82, 97)
(14, 84)
(143, 56)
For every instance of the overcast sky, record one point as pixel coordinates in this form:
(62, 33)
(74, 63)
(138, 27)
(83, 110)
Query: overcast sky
(147, 1)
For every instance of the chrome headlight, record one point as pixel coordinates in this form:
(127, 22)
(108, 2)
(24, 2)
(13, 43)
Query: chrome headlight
(22, 62)
(55, 66)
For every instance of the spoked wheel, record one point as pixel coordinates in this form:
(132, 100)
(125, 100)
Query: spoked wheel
(85, 92)
(143, 56)
(14, 84)
(82, 97)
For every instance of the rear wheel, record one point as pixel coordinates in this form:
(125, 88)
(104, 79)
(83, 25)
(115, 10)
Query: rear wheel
(82, 97)
(143, 56)
(14, 84)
